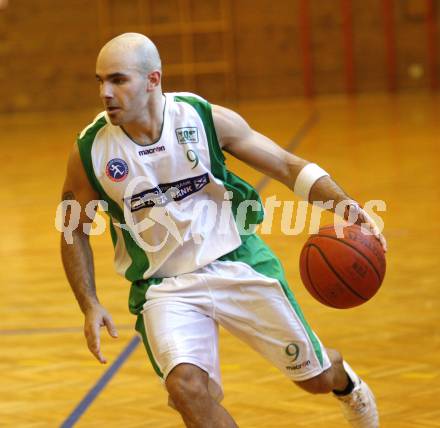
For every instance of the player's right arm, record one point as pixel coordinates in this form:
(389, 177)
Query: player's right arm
(240, 140)
(77, 256)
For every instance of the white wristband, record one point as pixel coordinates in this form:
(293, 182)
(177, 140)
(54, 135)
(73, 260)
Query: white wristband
(307, 177)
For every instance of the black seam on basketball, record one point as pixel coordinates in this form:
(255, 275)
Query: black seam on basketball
(310, 279)
(357, 251)
(336, 273)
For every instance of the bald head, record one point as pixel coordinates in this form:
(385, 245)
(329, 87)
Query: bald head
(132, 50)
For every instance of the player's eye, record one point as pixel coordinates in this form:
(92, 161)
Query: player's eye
(119, 80)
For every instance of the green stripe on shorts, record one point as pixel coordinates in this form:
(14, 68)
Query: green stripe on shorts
(136, 300)
(140, 327)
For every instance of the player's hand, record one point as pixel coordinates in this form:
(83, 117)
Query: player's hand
(355, 213)
(95, 318)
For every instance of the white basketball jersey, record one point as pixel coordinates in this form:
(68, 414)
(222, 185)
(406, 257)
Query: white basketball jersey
(172, 204)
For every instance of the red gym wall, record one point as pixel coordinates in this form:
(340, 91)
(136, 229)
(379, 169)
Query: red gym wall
(226, 50)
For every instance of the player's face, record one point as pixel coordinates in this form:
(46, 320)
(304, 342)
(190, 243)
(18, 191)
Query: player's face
(123, 91)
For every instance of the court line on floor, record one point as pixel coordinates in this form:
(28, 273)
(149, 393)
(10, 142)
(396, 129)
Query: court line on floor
(102, 382)
(51, 330)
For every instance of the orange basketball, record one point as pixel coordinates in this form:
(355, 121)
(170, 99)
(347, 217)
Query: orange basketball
(342, 272)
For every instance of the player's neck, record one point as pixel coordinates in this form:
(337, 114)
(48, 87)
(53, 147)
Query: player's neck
(147, 130)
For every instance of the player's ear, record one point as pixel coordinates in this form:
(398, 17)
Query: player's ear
(153, 80)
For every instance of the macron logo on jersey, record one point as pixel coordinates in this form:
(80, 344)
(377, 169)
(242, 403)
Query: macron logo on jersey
(146, 152)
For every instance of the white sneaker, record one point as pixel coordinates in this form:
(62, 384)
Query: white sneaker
(359, 407)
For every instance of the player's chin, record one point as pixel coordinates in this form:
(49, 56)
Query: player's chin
(115, 118)
(115, 122)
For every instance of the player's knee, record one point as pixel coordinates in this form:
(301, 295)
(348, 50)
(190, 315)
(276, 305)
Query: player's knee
(187, 384)
(334, 356)
(321, 384)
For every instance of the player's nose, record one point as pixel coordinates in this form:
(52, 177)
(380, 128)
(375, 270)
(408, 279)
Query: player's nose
(105, 90)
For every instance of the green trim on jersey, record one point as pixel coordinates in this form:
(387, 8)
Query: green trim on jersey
(140, 327)
(85, 150)
(260, 257)
(113, 234)
(139, 260)
(241, 190)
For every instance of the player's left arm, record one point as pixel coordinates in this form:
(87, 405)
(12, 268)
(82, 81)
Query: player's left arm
(241, 141)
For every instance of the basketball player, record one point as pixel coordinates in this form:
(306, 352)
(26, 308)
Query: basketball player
(153, 158)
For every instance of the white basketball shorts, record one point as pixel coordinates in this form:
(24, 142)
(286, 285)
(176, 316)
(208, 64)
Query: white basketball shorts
(180, 318)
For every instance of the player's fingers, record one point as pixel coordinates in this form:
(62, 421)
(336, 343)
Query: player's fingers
(101, 358)
(96, 351)
(351, 213)
(111, 328)
(374, 230)
(383, 241)
(368, 222)
(366, 226)
(355, 214)
(94, 342)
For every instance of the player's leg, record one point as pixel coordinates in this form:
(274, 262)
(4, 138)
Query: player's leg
(276, 329)
(182, 342)
(271, 321)
(334, 378)
(356, 399)
(188, 388)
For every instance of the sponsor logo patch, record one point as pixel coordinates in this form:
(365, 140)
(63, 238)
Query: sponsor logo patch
(116, 170)
(187, 135)
(164, 193)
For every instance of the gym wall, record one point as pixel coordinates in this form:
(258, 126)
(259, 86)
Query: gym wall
(226, 50)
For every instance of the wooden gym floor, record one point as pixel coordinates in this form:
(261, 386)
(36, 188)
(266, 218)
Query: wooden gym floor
(377, 147)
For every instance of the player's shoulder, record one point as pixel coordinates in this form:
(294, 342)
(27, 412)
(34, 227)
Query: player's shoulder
(90, 131)
(185, 96)
(224, 116)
